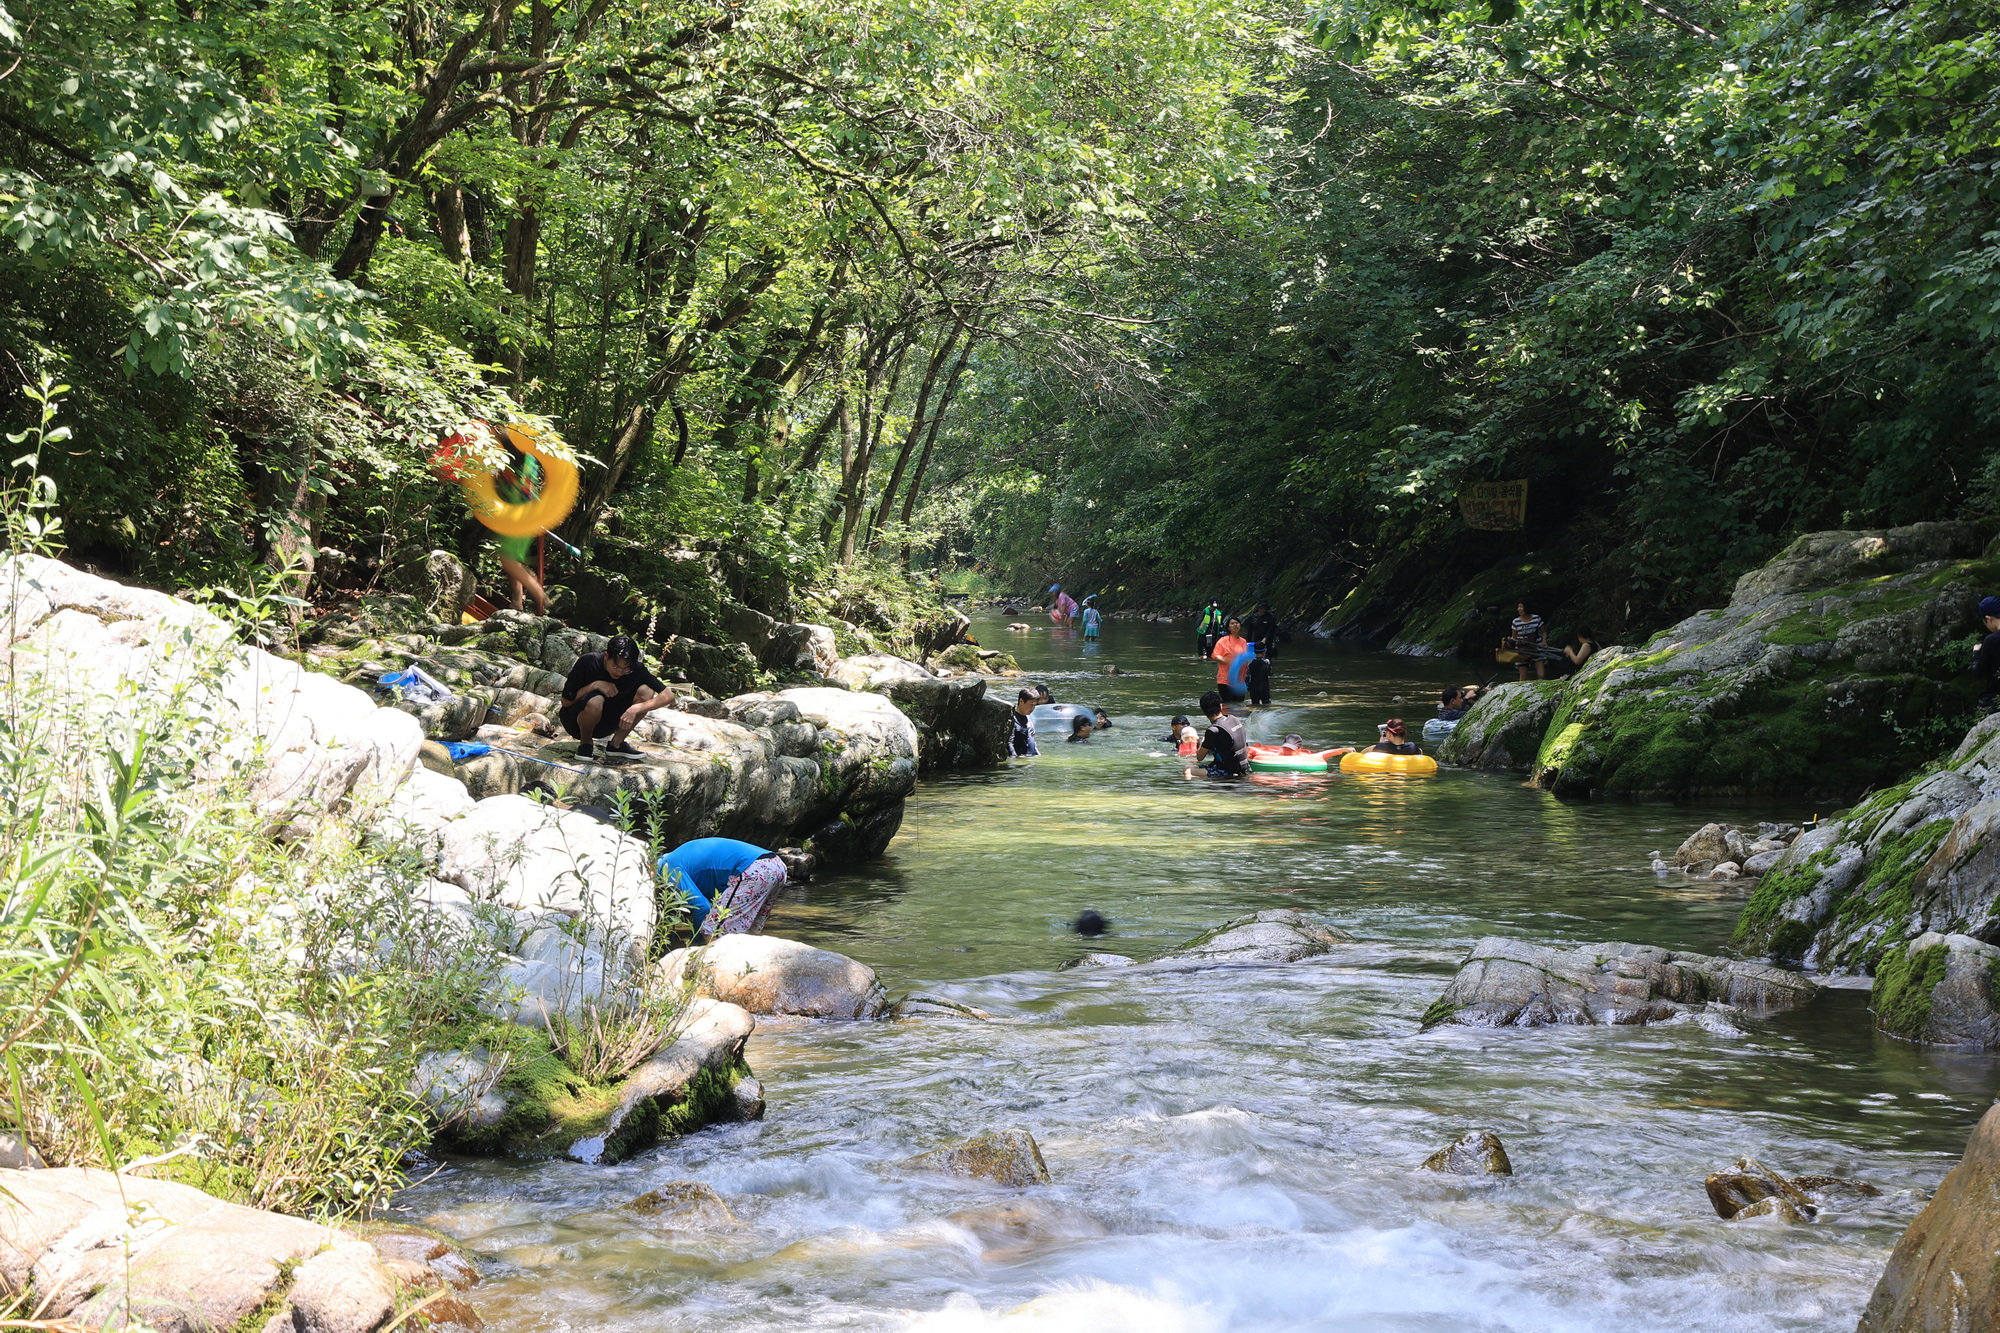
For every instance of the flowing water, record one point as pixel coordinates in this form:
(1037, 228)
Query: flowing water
(1232, 1148)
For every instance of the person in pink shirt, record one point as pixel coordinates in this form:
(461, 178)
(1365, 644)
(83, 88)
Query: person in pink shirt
(1065, 607)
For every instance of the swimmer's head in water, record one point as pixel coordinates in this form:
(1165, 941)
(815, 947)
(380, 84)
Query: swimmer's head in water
(1294, 741)
(1090, 923)
(1103, 718)
(1079, 729)
(1180, 720)
(1394, 727)
(1211, 704)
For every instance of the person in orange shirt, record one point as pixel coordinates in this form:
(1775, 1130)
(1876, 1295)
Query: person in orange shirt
(1232, 654)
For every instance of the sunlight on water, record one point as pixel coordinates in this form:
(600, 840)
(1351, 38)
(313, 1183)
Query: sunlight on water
(1233, 1148)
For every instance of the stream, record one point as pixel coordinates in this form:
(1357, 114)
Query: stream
(1233, 1148)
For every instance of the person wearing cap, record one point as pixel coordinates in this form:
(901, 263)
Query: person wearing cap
(1986, 657)
(1395, 740)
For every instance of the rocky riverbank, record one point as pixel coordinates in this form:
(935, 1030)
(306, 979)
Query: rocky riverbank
(1837, 666)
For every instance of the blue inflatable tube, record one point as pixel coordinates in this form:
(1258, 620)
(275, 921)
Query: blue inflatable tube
(1238, 665)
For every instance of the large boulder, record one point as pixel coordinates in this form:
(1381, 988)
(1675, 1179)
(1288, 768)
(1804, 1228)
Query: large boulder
(1939, 990)
(1275, 935)
(768, 975)
(535, 859)
(1917, 858)
(107, 1250)
(1942, 1277)
(1813, 681)
(681, 1088)
(1504, 727)
(958, 725)
(1511, 983)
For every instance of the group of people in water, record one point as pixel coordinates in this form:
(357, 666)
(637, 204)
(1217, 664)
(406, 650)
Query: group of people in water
(1242, 648)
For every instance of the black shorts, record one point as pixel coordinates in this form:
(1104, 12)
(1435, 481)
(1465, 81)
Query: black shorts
(607, 723)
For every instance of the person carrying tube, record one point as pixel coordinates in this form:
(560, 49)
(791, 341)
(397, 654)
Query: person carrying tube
(1064, 609)
(519, 482)
(1233, 655)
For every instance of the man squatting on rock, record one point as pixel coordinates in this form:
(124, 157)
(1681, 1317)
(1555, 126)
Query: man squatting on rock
(607, 694)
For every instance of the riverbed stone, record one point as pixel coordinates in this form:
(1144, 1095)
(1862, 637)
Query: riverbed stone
(342, 1290)
(1733, 1193)
(688, 1203)
(1006, 1157)
(932, 1006)
(1096, 960)
(768, 975)
(1477, 1152)
(1275, 935)
(1938, 990)
(1512, 983)
(1942, 1278)
(1708, 843)
(530, 857)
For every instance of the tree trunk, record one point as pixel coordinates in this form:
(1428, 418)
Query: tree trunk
(939, 355)
(930, 441)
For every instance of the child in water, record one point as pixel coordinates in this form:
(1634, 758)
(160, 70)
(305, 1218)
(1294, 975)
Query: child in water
(1079, 730)
(1103, 719)
(1092, 620)
(1258, 676)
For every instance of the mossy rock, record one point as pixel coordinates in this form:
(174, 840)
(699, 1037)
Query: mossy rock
(1818, 689)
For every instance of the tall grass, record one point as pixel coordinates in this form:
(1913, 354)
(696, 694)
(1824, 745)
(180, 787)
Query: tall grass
(175, 986)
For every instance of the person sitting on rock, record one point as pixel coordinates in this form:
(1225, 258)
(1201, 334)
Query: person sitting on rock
(1395, 740)
(1021, 736)
(1079, 729)
(1986, 657)
(607, 694)
(729, 886)
(1584, 647)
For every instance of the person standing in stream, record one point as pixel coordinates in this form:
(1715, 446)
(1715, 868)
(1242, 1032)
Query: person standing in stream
(1210, 628)
(607, 694)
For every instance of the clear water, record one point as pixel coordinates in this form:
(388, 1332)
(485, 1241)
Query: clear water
(1233, 1148)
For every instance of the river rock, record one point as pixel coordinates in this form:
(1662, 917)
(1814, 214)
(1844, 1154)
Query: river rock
(1938, 990)
(1942, 1277)
(436, 1255)
(1006, 1228)
(1708, 843)
(932, 1006)
(685, 1086)
(1738, 1193)
(768, 975)
(1504, 727)
(1809, 682)
(685, 1203)
(1511, 983)
(1275, 935)
(1096, 960)
(185, 1262)
(1477, 1152)
(534, 858)
(1005, 1157)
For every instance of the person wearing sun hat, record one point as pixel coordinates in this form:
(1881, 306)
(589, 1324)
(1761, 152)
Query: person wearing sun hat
(1986, 657)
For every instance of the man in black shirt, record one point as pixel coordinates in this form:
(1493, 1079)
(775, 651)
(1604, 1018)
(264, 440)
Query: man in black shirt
(1021, 733)
(1986, 657)
(1223, 745)
(607, 694)
(1261, 627)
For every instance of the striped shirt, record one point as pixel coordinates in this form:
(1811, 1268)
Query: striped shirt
(1528, 633)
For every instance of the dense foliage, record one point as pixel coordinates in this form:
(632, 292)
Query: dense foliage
(1703, 276)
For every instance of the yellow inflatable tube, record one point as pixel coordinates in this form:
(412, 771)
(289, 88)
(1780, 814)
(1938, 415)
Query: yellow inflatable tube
(530, 518)
(1374, 761)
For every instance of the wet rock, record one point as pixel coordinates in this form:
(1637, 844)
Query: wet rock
(445, 1314)
(1478, 1152)
(768, 975)
(1511, 983)
(685, 1086)
(1784, 1211)
(685, 1203)
(1942, 1277)
(1708, 843)
(1019, 1223)
(1749, 1184)
(748, 1099)
(932, 1006)
(1096, 960)
(1276, 935)
(437, 1256)
(1760, 863)
(1938, 990)
(1822, 1188)
(1005, 1157)
(99, 1249)
(1726, 871)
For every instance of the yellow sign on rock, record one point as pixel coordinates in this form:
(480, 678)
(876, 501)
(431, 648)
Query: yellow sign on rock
(1495, 506)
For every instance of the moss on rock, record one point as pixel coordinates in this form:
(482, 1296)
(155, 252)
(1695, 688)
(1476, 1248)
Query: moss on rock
(1905, 981)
